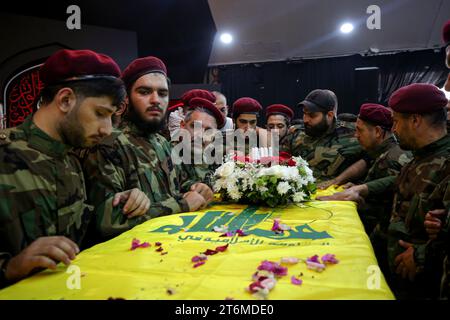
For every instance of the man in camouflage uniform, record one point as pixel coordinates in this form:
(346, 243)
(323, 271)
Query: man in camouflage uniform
(137, 156)
(437, 222)
(43, 210)
(198, 130)
(383, 158)
(422, 186)
(327, 147)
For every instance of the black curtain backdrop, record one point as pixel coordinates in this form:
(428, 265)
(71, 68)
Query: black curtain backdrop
(288, 82)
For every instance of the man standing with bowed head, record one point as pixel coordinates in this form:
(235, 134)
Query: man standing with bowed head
(138, 156)
(43, 209)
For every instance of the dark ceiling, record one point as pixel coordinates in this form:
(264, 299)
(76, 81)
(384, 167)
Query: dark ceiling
(179, 32)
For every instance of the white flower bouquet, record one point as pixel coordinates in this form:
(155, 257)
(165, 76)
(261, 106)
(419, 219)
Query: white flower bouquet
(264, 179)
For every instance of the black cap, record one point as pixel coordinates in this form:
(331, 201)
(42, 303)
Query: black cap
(320, 101)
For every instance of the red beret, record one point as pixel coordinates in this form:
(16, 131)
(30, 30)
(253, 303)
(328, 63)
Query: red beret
(65, 65)
(279, 109)
(195, 103)
(246, 105)
(197, 93)
(376, 114)
(141, 66)
(417, 98)
(446, 32)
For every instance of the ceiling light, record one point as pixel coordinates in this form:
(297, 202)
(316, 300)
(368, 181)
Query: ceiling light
(226, 38)
(347, 28)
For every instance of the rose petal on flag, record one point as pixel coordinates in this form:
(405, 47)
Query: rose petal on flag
(276, 225)
(314, 258)
(296, 281)
(210, 252)
(329, 259)
(241, 233)
(319, 267)
(159, 249)
(198, 264)
(222, 248)
(290, 260)
(158, 244)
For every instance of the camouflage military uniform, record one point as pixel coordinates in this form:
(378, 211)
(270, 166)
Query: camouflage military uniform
(386, 160)
(421, 186)
(190, 174)
(132, 159)
(42, 189)
(327, 155)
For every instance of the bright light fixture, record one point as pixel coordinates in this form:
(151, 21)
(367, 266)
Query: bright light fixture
(347, 28)
(226, 38)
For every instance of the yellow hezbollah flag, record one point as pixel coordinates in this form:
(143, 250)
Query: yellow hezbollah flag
(113, 270)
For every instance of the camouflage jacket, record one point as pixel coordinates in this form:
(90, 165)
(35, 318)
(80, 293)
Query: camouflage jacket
(327, 155)
(386, 160)
(42, 189)
(132, 159)
(421, 186)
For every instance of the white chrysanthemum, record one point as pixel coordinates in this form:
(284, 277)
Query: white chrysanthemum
(299, 196)
(283, 187)
(226, 169)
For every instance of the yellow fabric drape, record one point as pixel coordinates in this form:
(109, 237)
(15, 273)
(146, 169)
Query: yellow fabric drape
(112, 270)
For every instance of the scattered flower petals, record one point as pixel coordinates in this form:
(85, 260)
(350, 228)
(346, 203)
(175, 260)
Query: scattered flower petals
(290, 260)
(255, 286)
(279, 227)
(136, 243)
(273, 267)
(227, 234)
(319, 267)
(314, 258)
(296, 281)
(276, 225)
(329, 259)
(198, 264)
(221, 229)
(210, 252)
(268, 283)
(241, 233)
(164, 253)
(222, 248)
(200, 257)
(159, 249)
(158, 244)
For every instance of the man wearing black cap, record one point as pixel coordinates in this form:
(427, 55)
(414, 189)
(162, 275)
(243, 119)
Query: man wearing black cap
(329, 149)
(43, 210)
(423, 185)
(137, 156)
